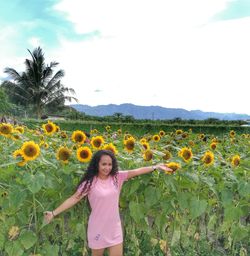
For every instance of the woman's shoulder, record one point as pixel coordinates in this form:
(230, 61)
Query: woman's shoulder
(122, 175)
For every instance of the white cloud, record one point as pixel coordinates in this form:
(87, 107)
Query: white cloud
(159, 52)
(35, 42)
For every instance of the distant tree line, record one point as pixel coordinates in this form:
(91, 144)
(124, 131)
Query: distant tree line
(38, 92)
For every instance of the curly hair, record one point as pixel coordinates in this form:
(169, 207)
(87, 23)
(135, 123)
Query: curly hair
(93, 168)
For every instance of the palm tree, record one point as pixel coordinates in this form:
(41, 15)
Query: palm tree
(37, 86)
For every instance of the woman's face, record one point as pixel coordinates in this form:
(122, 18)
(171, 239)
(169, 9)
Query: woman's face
(105, 167)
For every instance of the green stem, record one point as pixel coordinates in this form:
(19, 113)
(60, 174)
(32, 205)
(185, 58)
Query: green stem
(36, 222)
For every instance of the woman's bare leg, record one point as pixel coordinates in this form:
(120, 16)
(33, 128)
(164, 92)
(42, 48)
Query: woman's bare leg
(116, 250)
(97, 252)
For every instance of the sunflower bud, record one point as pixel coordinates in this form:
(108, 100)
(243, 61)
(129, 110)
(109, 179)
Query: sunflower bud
(13, 232)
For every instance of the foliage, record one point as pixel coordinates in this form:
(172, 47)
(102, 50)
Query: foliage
(200, 210)
(37, 86)
(5, 105)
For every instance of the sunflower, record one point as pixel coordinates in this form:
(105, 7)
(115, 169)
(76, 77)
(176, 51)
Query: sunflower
(78, 137)
(167, 155)
(186, 154)
(213, 145)
(49, 128)
(108, 128)
(174, 166)
(184, 135)
(15, 137)
(215, 140)
(19, 129)
(111, 147)
(143, 140)
(94, 131)
(191, 143)
(156, 138)
(84, 154)
(63, 154)
(19, 153)
(63, 135)
(97, 142)
(127, 136)
(178, 132)
(13, 232)
(148, 155)
(149, 138)
(30, 150)
(145, 145)
(6, 129)
(119, 131)
(208, 158)
(232, 133)
(4, 194)
(162, 133)
(201, 136)
(235, 160)
(129, 144)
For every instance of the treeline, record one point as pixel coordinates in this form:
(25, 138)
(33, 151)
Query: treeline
(38, 93)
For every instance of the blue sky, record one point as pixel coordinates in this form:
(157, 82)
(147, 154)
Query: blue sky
(191, 54)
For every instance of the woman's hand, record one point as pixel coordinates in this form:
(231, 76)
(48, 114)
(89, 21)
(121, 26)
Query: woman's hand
(48, 216)
(164, 168)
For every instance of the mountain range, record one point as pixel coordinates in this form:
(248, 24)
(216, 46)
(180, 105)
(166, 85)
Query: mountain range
(155, 112)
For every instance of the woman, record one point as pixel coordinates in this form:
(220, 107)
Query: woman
(102, 184)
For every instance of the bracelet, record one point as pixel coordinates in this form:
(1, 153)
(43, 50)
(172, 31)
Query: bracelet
(53, 214)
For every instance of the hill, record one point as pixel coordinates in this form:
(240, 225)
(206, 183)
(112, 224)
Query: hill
(155, 112)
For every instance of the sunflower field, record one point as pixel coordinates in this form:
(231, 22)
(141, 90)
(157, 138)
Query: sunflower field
(201, 209)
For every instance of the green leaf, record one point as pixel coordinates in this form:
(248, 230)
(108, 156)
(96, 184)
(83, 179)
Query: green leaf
(244, 189)
(2, 240)
(239, 233)
(34, 182)
(192, 176)
(183, 199)
(226, 197)
(152, 196)
(28, 239)
(14, 248)
(212, 222)
(80, 231)
(176, 237)
(197, 207)
(135, 184)
(17, 197)
(136, 211)
(168, 179)
(232, 213)
(51, 250)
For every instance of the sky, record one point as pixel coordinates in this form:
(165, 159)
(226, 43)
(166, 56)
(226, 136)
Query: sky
(191, 54)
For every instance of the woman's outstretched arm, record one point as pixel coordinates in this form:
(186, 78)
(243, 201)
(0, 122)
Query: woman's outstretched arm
(148, 169)
(68, 203)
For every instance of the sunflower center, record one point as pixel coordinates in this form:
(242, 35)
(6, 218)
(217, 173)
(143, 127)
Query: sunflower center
(236, 162)
(130, 145)
(30, 151)
(84, 154)
(79, 138)
(208, 159)
(97, 143)
(64, 155)
(49, 128)
(5, 129)
(213, 146)
(148, 155)
(186, 154)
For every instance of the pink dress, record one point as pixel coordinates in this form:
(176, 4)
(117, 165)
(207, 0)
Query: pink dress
(104, 225)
